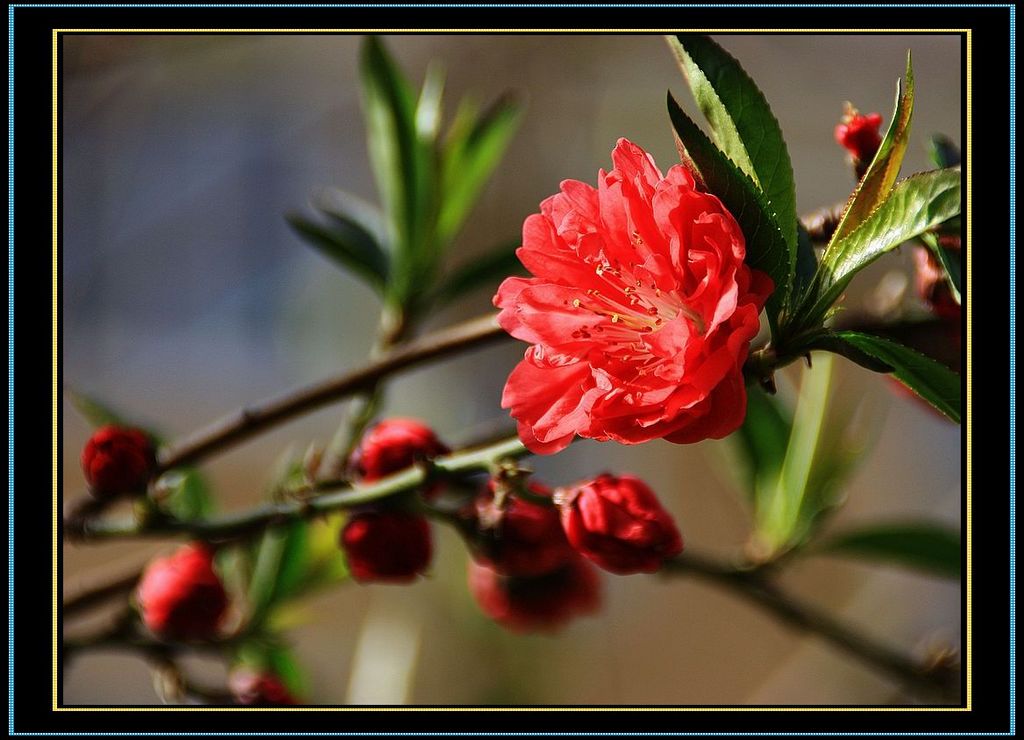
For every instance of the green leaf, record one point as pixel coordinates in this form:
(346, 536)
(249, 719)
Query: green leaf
(266, 571)
(473, 149)
(767, 249)
(189, 496)
(782, 511)
(806, 262)
(348, 244)
(931, 547)
(428, 109)
(761, 441)
(915, 205)
(490, 268)
(94, 411)
(282, 663)
(400, 164)
(949, 259)
(943, 151)
(743, 124)
(931, 380)
(881, 175)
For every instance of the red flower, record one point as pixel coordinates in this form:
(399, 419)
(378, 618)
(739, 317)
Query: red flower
(859, 134)
(254, 689)
(393, 445)
(117, 460)
(387, 546)
(523, 538)
(539, 604)
(640, 313)
(619, 524)
(180, 596)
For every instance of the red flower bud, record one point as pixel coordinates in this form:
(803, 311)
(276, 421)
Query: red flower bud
(180, 596)
(394, 445)
(859, 134)
(117, 460)
(522, 538)
(931, 281)
(619, 524)
(254, 689)
(541, 603)
(387, 546)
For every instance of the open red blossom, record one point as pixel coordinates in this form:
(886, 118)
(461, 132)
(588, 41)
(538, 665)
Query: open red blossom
(640, 312)
(181, 596)
(117, 460)
(540, 603)
(387, 546)
(522, 538)
(618, 522)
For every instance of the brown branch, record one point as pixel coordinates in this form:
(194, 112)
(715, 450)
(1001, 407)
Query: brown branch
(939, 679)
(251, 420)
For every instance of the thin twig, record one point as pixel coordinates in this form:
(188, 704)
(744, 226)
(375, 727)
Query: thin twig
(234, 526)
(940, 680)
(259, 416)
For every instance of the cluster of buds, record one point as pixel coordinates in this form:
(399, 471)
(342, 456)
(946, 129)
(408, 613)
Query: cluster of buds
(383, 543)
(533, 549)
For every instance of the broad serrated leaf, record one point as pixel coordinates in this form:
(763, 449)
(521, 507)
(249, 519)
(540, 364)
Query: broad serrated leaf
(926, 546)
(806, 263)
(189, 495)
(492, 268)
(743, 124)
(346, 243)
(472, 150)
(761, 442)
(931, 380)
(914, 206)
(950, 261)
(766, 247)
(881, 175)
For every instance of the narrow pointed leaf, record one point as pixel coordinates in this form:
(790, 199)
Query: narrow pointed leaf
(767, 249)
(94, 411)
(190, 497)
(914, 206)
(428, 108)
(926, 546)
(492, 268)
(395, 152)
(931, 380)
(743, 124)
(347, 244)
(806, 263)
(950, 261)
(761, 441)
(782, 509)
(473, 150)
(943, 151)
(881, 175)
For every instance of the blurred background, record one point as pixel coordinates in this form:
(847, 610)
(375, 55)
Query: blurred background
(185, 295)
